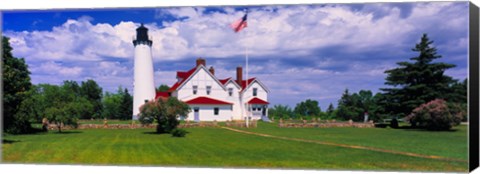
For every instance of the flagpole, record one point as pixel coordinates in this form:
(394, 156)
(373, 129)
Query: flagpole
(246, 68)
(246, 72)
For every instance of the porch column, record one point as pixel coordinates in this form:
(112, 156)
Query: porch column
(266, 110)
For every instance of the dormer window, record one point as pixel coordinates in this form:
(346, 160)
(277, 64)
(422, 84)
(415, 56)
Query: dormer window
(209, 89)
(230, 92)
(254, 91)
(195, 88)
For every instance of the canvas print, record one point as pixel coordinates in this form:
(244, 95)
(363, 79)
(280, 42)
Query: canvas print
(369, 86)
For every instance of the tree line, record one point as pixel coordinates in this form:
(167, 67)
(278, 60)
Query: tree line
(25, 103)
(419, 92)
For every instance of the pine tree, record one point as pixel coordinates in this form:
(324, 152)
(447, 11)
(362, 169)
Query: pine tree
(330, 110)
(126, 106)
(417, 82)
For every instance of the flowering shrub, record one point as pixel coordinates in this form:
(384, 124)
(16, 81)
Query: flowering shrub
(435, 115)
(165, 112)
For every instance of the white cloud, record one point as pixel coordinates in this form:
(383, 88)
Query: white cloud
(74, 40)
(52, 68)
(294, 30)
(274, 31)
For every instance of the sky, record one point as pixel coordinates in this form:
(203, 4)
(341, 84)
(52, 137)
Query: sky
(298, 51)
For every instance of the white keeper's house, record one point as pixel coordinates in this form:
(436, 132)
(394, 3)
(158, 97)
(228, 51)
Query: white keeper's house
(212, 99)
(209, 97)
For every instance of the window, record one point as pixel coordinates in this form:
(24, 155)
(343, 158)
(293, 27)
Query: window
(209, 89)
(254, 91)
(215, 111)
(195, 88)
(230, 92)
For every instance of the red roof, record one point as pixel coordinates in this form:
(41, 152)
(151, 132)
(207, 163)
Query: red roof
(258, 101)
(224, 81)
(244, 83)
(207, 101)
(162, 94)
(184, 76)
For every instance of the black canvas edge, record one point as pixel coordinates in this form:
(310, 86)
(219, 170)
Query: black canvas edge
(473, 87)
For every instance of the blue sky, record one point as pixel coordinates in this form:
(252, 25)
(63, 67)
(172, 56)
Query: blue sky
(299, 51)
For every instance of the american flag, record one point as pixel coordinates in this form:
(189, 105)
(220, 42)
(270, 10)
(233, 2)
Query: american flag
(239, 24)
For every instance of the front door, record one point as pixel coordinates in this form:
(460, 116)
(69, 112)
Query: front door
(196, 114)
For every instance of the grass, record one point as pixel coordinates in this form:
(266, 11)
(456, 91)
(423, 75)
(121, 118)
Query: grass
(451, 144)
(217, 147)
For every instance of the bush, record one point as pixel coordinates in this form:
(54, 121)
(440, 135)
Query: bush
(179, 133)
(435, 115)
(394, 123)
(145, 120)
(165, 111)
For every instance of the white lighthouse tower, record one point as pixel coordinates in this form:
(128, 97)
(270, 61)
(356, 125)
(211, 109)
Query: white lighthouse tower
(143, 84)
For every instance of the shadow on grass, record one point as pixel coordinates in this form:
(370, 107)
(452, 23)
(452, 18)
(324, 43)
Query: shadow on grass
(32, 131)
(5, 141)
(68, 132)
(154, 133)
(410, 128)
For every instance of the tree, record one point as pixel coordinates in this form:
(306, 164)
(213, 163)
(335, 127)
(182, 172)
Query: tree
(377, 109)
(165, 112)
(307, 108)
(16, 84)
(34, 106)
(330, 111)
(111, 105)
(163, 88)
(117, 105)
(348, 107)
(63, 107)
(93, 93)
(435, 115)
(126, 105)
(73, 87)
(417, 82)
(280, 111)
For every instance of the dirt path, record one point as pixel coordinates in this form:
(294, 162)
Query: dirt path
(348, 146)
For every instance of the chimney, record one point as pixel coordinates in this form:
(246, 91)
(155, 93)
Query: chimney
(201, 61)
(239, 75)
(212, 70)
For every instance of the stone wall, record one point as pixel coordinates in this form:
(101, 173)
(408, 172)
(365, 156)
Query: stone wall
(251, 124)
(324, 124)
(129, 126)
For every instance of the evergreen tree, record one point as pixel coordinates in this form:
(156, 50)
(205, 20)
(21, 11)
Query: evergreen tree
(417, 82)
(330, 110)
(354, 106)
(126, 105)
(16, 84)
(93, 93)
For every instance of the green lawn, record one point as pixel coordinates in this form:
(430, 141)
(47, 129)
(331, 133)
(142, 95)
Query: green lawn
(452, 144)
(217, 147)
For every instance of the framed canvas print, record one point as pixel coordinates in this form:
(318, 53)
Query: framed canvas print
(360, 86)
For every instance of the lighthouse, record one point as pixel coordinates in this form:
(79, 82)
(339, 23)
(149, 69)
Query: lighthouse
(143, 84)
